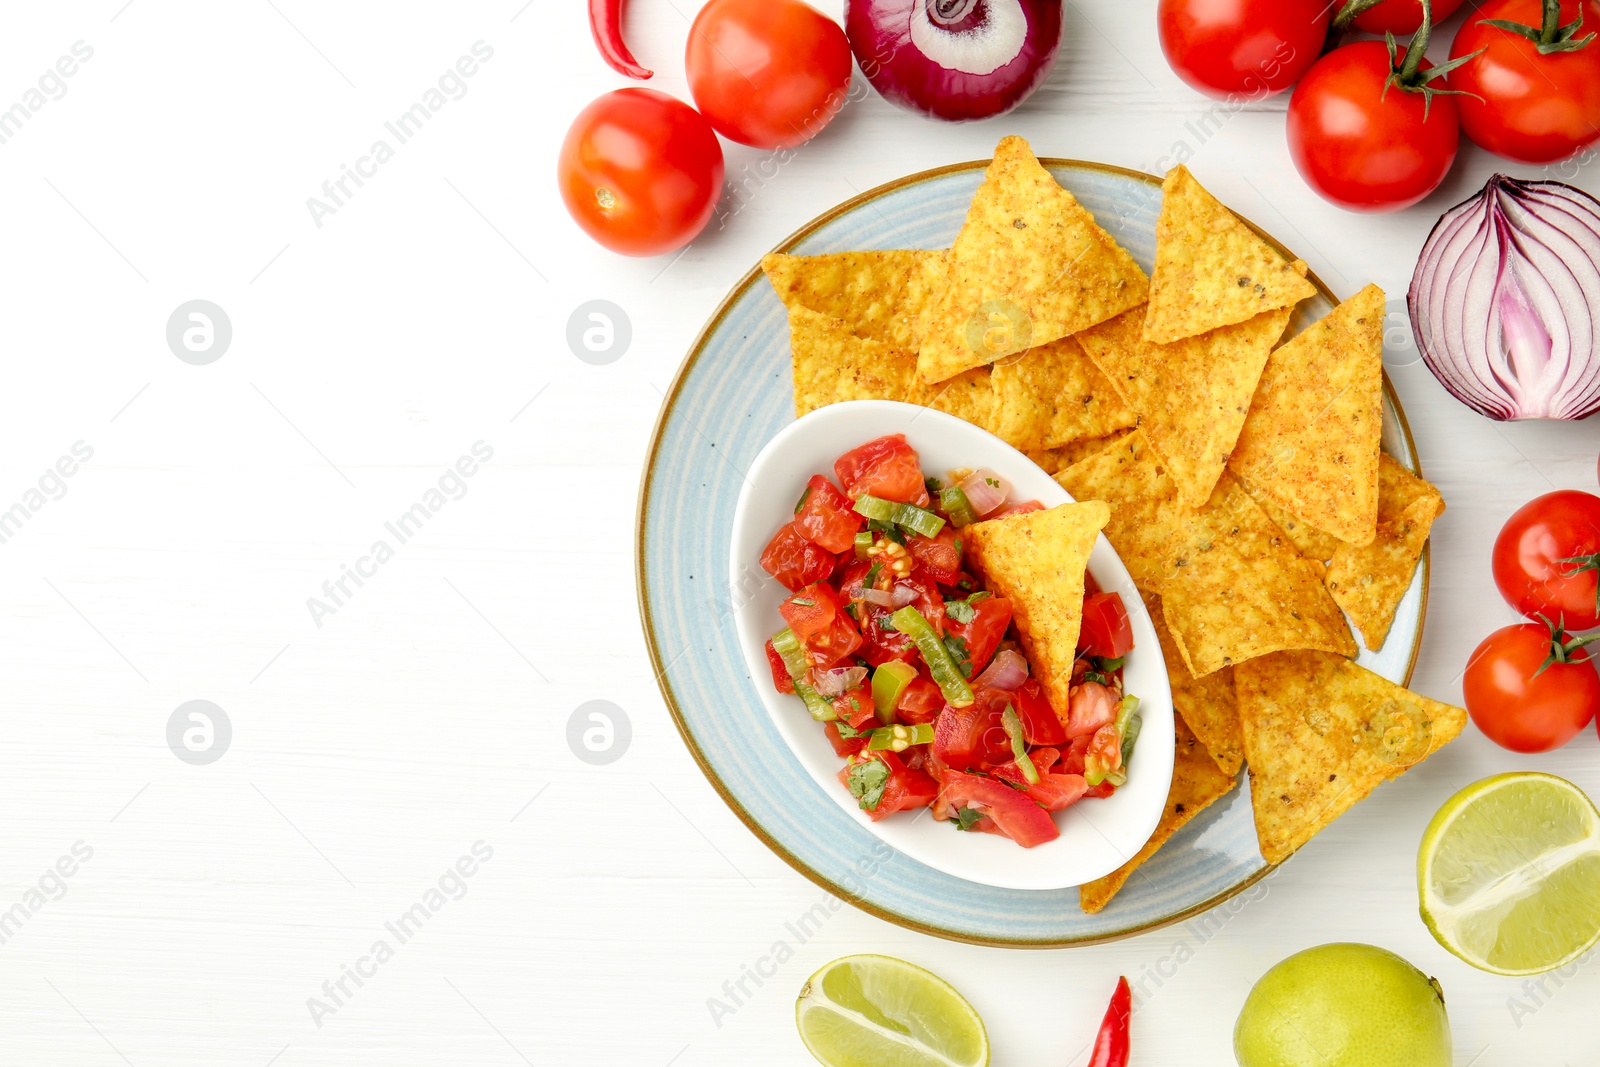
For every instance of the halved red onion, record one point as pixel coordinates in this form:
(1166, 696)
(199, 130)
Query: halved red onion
(954, 59)
(986, 491)
(1008, 670)
(837, 680)
(1505, 299)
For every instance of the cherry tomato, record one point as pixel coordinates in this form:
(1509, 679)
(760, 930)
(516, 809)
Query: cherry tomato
(1529, 559)
(826, 517)
(795, 561)
(1242, 48)
(768, 73)
(1403, 17)
(1525, 106)
(1521, 693)
(886, 467)
(1106, 631)
(640, 172)
(1363, 143)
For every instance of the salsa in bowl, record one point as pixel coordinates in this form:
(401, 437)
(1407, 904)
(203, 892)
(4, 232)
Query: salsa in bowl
(902, 584)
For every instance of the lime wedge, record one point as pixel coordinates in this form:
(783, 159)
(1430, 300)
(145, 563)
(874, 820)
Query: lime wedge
(1509, 873)
(877, 1011)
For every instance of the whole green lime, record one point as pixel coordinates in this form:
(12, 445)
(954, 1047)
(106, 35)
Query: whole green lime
(1343, 1005)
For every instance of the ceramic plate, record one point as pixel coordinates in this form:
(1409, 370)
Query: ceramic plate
(732, 396)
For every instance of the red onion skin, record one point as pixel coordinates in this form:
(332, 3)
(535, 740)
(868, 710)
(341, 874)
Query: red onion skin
(1008, 670)
(1505, 299)
(879, 32)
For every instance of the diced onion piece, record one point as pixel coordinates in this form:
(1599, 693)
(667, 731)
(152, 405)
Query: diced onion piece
(836, 681)
(985, 490)
(1008, 670)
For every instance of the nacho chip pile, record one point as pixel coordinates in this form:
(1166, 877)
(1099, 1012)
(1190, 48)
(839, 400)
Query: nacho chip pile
(1237, 471)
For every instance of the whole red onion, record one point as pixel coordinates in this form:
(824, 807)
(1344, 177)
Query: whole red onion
(954, 59)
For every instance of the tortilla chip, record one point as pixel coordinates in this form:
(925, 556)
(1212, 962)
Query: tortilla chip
(1208, 704)
(1029, 266)
(968, 396)
(1368, 582)
(1196, 783)
(1054, 460)
(879, 295)
(831, 364)
(1053, 395)
(1320, 733)
(1310, 443)
(1145, 513)
(1191, 396)
(1211, 269)
(1236, 589)
(1037, 560)
(1313, 544)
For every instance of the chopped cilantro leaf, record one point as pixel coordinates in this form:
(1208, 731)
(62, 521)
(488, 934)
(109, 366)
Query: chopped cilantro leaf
(982, 594)
(849, 732)
(802, 602)
(866, 782)
(886, 622)
(965, 817)
(934, 485)
(1106, 666)
(871, 580)
(1096, 676)
(802, 501)
(959, 610)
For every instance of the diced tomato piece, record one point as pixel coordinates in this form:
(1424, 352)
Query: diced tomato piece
(843, 746)
(825, 516)
(817, 617)
(974, 736)
(1016, 509)
(794, 561)
(1056, 792)
(780, 671)
(1105, 749)
(1013, 813)
(1072, 756)
(1101, 791)
(939, 557)
(920, 701)
(905, 790)
(1040, 724)
(855, 706)
(887, 467)
(990, 617)
(1106, 631)
(1093, 706)
(811, 610)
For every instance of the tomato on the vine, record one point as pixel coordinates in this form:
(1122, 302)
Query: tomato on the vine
(1530, 687)
(1248, 48)
(1402, 16)
(640, 171)
(768, 73)
(1367, 130)
(1533, 94)
(1547, 559)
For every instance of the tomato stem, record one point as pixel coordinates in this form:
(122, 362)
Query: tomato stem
(1350, 11)
(1551, 37)
(1562, 645)
(1409, 75)
(1585, 563)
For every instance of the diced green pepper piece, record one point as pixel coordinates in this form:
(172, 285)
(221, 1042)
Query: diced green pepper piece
(957, 506)
(888, 683)
(909, 621)
(1126, 710)
(794, 658)
(1130, 734)
(900, 737)
(1019, 744)
(913, 518)
(863, 544)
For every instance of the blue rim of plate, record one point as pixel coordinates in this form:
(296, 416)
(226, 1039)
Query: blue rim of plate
(870, 873)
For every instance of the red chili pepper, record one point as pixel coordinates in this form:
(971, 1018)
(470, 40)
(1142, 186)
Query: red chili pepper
(1111, 1043)
(605, 21)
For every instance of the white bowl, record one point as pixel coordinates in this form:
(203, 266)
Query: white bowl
(1097, 836)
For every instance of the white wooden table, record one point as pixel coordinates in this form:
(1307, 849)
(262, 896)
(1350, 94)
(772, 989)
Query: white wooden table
(422, 715)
